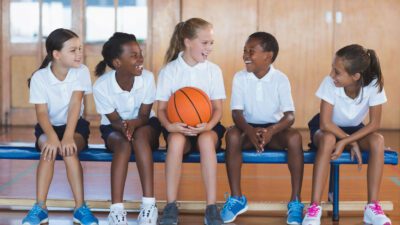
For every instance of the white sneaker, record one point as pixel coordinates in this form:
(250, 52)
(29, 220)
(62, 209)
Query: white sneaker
(373, 214)
(313, 215)
(148, 215)
(117, 217)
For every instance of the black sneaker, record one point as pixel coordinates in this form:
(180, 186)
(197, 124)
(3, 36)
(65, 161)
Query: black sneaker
(170, 214)
(212, 216)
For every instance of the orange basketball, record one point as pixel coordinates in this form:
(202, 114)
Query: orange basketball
(189, 105)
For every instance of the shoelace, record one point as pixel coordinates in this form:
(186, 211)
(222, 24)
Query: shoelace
(146, 212)
(120, 215)
(230, 202)
(376, 208)
(85, 210)
(294, 206)
(313, 210)
(35, 210)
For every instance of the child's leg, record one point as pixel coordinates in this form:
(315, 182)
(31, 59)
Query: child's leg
(375, 144)
(122, 151)
(207, 143)
(44, 174)
(235, 141)
(178, 144)
(74, 171)
(145, 139)
(326, 143)
(291, 139)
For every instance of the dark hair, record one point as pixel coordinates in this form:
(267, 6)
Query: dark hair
(112, 49)
(187, 29)
(268, 42)
(358, 59)
(54, 42)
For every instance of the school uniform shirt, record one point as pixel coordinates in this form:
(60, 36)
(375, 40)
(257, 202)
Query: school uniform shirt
(45, 88)
(348, 112)
(109, 96)
(177, 74)
(262, 100)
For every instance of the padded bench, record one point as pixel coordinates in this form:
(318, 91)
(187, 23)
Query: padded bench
(97, 153)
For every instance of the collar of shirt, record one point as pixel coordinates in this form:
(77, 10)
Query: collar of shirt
(52, 79)
(199, 66)
(138, 83)
(266, 78)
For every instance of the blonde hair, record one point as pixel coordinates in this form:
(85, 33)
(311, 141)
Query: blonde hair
(187, 29)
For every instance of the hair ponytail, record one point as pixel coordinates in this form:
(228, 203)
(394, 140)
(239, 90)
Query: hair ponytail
(187, 29)
(100, 68)
(374, 70)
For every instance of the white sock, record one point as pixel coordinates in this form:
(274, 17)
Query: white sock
(117, 206)
(148, 201)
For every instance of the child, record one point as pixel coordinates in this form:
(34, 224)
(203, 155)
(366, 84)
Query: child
(124, 97)
(187, 65)
(57, 90)
(263, 111)
(355, 85)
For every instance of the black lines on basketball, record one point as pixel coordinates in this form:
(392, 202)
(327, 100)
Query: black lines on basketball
(194, 107)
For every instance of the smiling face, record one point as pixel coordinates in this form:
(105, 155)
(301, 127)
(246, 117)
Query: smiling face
(198, 49)
(131, 59)
(255, 58)
(71, 53)
(340, 76)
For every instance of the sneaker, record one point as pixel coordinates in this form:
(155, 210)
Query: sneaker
(373, 214)
(212, 216)
(84, 216)
(117, 217)
(313, 215)
(148, 215)
(170, 214)
(233, 207)
(37, 215)
(295, 212)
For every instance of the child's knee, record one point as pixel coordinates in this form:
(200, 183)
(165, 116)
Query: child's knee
(207, 136)
(376, 142)
(295, 140)
(233, 135)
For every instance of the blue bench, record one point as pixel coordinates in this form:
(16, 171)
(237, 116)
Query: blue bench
(98, 153)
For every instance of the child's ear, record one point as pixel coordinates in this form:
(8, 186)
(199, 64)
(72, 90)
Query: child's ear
(186, 42)
(268, 56)
(116, 63)
(356, 77)
(56, 54)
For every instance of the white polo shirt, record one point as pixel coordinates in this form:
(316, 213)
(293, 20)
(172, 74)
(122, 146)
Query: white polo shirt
(45, 88)
(109, 96)
(262, 100)
(177, 74)
(347, 111)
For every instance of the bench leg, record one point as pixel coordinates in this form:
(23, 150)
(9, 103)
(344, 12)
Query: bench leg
(335, 169)
(331, 183)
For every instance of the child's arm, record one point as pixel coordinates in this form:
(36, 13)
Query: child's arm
(68, 145)
(52, 144)
(251, 132)
(117, 123)
(285, 122)
(171, 127)
(141, 120)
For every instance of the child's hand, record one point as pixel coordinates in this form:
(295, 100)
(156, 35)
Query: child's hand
(254, 136)
(50, 148)
(129, 127)
(355, 151)
(180, 128)
(200, 128)
(340, 145)
(265, 137)
(68, 146)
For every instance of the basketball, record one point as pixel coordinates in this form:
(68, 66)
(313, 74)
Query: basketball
(189, 105)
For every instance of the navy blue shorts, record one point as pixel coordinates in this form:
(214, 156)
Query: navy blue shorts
(313, 125)
(82, 128)
(218, 128)
(263, 125)
(106, 130)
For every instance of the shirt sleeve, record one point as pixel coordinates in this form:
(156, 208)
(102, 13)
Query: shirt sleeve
(150, 94)
(326, 90)
(218, 88)
(103, 103)
(237, 98)
(285, 96)
(84, 82)
(376, 97)
(164, 86)
(37, 91)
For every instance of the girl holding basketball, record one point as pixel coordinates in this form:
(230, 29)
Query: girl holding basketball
(57, 90)
(187, 65)
(353, 88)
(124, 97)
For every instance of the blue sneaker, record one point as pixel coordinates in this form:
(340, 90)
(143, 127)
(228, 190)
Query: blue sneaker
(233, 207)
(37, 215)
(84, 216)
(295, 212)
